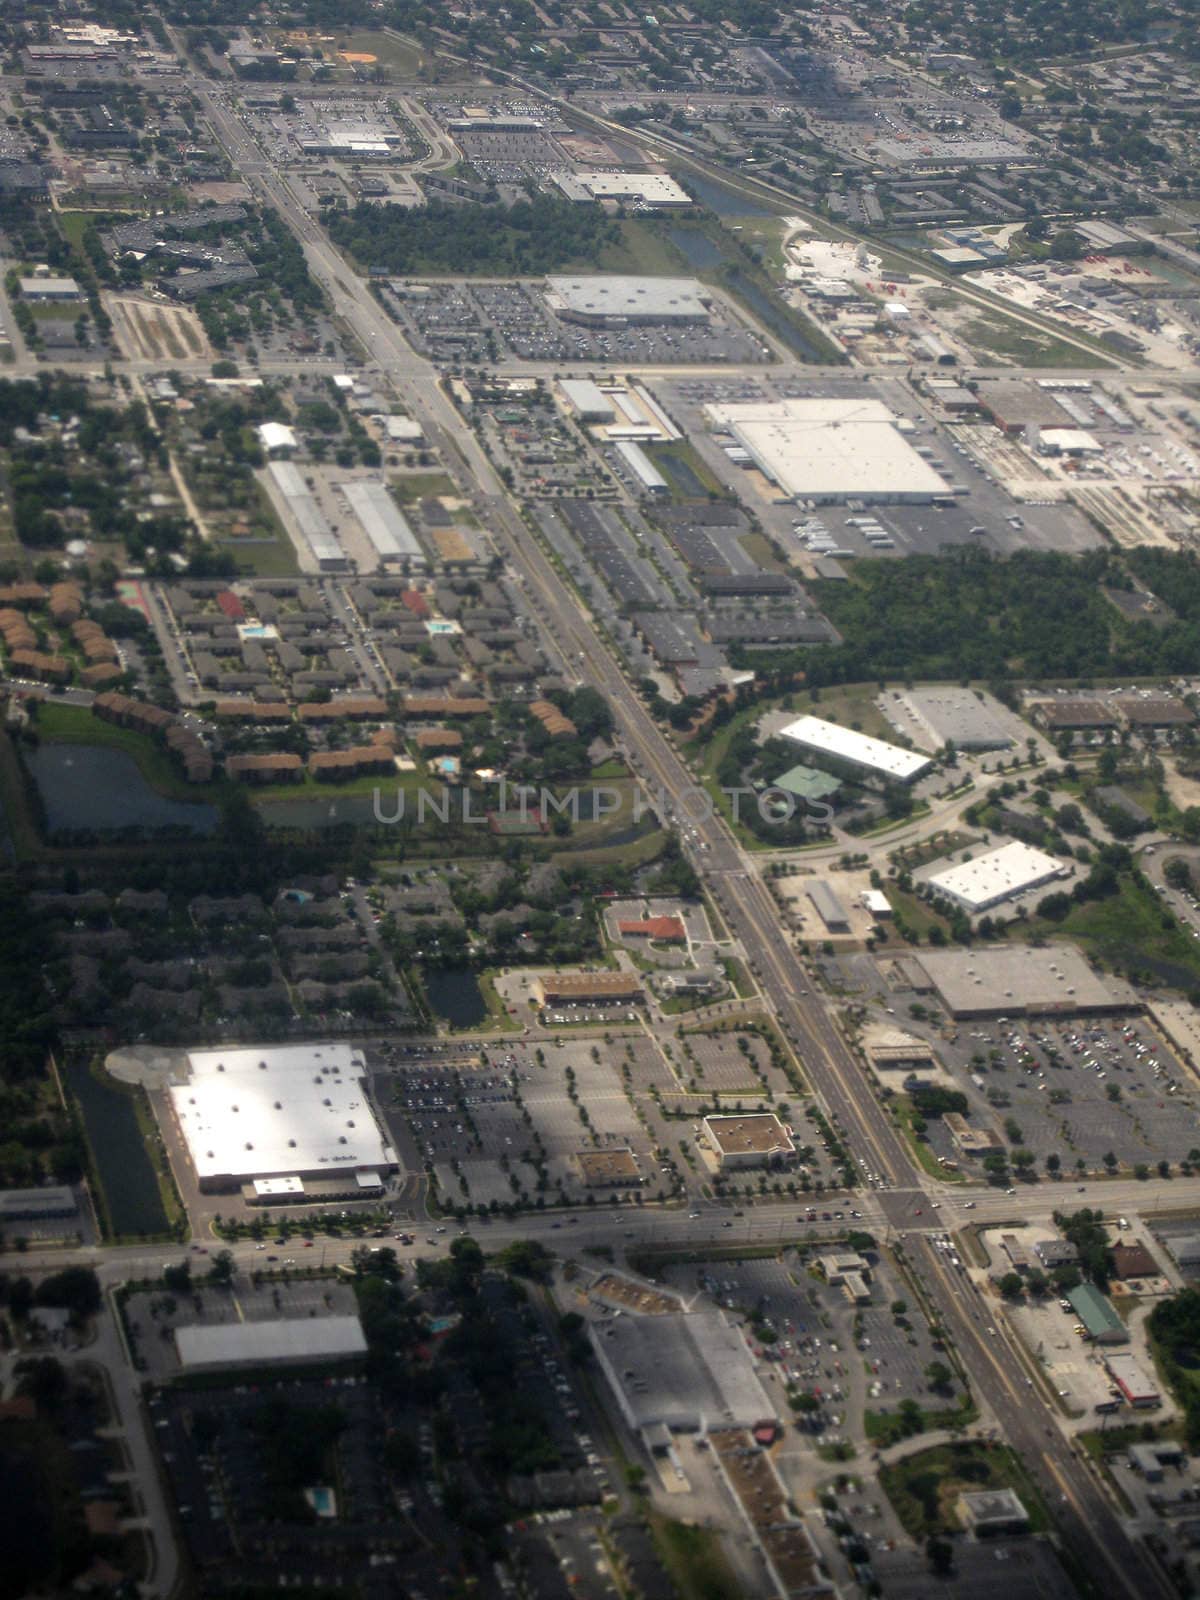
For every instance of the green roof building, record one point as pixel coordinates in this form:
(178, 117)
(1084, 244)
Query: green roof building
(808, 783)
(1098, 1315)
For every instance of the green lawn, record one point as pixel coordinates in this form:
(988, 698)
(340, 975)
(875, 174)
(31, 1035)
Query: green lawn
(263, 558)
(759, 548)
(695, 1561)
(904, 1111)
(402, 57)
(642, 248)
(1026, 346)
(1128, 931)
(923, 1488)
(690, 476)
(421, 486)
(884, 1428)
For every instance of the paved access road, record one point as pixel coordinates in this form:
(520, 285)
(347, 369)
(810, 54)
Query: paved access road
(1088, 1524)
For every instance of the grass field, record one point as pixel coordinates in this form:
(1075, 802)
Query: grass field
(421, 486)
(689, 475)
(767, 233)
(1130, 931)
(758, 547)
(642, 248)
(263, 558)
(402, 58)
(695, 1561)
(923, 1488)
(1026, 346)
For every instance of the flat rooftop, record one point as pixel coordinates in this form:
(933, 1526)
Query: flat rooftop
(275, 1110)
(1020, 979)
(293, 1339)
(949, 714)
(685, 1371)
(831, 450)
(759, 1133)
(650, 299)
(998, 875)
(651, 188)
(858, 749)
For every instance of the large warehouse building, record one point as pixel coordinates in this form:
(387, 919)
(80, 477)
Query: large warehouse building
(654, 190)
(617, 301)
(280, 1112)
(294, 1341)
(383, 522)
(949, 714)
(831, 450)
(303, 513)
(685, 1373)
(855, 754)
(1019, 980)
(989, 880)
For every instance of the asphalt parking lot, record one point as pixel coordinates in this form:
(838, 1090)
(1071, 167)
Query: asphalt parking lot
(912, 529)
(1080, 1089)
(511, 1127)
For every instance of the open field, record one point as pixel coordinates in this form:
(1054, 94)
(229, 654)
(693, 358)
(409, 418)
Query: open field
(695, 1560)
(923, 1488)
(642, 248)
(159, 332)
(1025, 347)
(1128, 932)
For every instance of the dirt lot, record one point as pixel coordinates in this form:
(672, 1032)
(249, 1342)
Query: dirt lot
(159, 332)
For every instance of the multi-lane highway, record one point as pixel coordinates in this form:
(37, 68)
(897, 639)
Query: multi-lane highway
(1089, 1524)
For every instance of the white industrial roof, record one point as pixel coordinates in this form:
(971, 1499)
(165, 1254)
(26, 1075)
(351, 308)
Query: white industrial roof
(830, 449)
(997, 876)
(947, 713)
(45, 285)
(275, 1110)
(1072, 441)
(640, 464)
(652, 188)
(873, 755)
(1020, 978)
(386, 525)
(404, 430)
(618, 296)
(588, 399)
(310, 519)
(246, 1344)
(276, 436)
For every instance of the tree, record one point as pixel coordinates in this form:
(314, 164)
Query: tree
(1178, 873)
(1086, 1231)
(940, 1555)
(1011, 1286)
(178, 1279)
(940, 1376)
(223, 1268)
(74, 1289)
(525, 1258)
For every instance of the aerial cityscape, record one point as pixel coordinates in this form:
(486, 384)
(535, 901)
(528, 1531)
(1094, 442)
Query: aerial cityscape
(599, 800)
